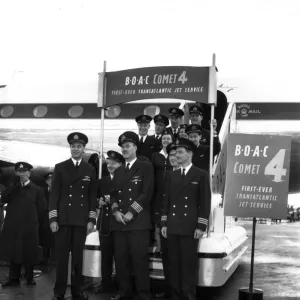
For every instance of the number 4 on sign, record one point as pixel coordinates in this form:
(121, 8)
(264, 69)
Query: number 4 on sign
(275, 166)
(182, 77)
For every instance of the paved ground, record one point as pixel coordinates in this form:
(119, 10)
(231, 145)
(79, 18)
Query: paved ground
(276, 271)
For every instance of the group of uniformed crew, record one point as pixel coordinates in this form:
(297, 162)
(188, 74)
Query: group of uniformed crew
(158, 181)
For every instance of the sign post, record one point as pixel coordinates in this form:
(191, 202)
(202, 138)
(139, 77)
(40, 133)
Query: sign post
(257, 182)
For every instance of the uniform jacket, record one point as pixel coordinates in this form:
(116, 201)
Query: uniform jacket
(132, 191)
(149, 146)
(201, 158)
(170, 130)
(19, 238)
(73, 194)
(105, 215)
(158, 141)
(161, 166)
(205, 141)
(45, 234)
(186, 202)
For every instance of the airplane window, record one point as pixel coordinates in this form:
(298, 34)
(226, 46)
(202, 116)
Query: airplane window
(113, 111)
(152, 110)
(7, 111)
(40, 111)
(75, 111)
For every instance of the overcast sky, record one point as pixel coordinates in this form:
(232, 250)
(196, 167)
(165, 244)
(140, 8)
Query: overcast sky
(256, 42)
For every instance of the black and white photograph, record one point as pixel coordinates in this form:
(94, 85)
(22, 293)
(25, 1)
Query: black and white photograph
(149, 150)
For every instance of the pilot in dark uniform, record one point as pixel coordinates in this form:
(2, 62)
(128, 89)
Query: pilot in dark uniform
(184, 220)
(175, 115)
(46, 235)
(147, 143)
(161, 122)
(130, 197)
(201, 155)
(196, 117)
(19, 238)
(72, 214)
(114, 160)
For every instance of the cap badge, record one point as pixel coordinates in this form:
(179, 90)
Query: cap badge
(195, 108)
(174, 110)
(21, 166)
(76, 137)
(177, 142)
(112, 154)
(123, 137)
(194, 128)
(159, 118)
(144, 118)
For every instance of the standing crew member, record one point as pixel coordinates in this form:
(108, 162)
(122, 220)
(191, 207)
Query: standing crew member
(184, 220)
(175, 115)
(19, 239)
(46, 235)
(161, 165)
(147, 143)
(196, 117)
(161, 122)
(130, 197)
(201, 155)
(72, 214)
(114, 161)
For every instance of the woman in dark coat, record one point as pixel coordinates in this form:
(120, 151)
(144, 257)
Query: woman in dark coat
(19, 238)
(161, 166)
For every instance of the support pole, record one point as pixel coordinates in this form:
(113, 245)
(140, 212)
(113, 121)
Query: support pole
(211, 150)
(251, 293)
(252, 256)
(101, 77)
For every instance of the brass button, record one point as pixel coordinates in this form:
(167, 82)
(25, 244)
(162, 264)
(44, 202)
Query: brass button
(82, 186)
(185, 214)
(173, 214)
(186, 197)
(106, 214)
(174, 205)
(129, 190)
(70, 204)
(185, 206)
(70, 195)
(81, 196)
(120, 200)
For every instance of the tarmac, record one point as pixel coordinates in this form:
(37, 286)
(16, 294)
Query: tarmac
(276, 270)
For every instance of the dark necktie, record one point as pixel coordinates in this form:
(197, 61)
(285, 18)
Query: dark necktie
(183, 174)
(77, 164)
(174, 131)
(127, 167)
(141, 140)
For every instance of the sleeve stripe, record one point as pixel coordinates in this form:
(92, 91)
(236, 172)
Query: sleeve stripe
(52, 214)
(202, 221)
(164, 218)
(136, 207)
(92, 214)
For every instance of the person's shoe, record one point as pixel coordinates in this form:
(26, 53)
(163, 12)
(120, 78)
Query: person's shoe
(10, 283)
(81, 296)
(58, 298)
(31, 282)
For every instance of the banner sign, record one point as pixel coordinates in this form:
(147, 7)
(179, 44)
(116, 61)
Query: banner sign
(257, 176)
(188, 83)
